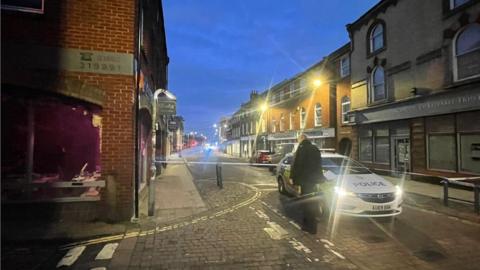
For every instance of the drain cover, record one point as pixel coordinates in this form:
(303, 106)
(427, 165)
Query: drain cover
(429, 255)
(373, 239)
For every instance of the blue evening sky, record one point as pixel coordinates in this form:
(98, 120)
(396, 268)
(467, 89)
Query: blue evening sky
(221, 50)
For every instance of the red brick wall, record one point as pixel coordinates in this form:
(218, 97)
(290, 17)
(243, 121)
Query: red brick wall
(90, 25)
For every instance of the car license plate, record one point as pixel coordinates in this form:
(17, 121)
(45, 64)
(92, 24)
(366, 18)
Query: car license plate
(381, 207)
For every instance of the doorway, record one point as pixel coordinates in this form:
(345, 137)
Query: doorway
(401, 154)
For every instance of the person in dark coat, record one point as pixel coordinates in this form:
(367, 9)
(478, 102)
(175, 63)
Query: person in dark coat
(307, 172)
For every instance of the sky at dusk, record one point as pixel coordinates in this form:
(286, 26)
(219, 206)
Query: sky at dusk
(222, 50)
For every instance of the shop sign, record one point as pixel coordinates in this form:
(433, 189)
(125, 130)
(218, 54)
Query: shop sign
(431, 105)
(167, 107)
(76, 60)
(172, 125)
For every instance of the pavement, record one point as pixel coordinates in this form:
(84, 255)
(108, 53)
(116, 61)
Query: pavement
(249, 225)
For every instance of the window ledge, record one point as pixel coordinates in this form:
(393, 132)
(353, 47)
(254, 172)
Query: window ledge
(462, 82)
(377, 52)
(451, 12)
(379, 102)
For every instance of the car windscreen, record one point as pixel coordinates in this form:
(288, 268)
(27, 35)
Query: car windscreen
(338, 165)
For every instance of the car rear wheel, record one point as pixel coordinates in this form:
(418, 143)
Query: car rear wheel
(281, 186)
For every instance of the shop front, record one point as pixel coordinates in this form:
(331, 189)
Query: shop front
(438, 135)
(51, 147)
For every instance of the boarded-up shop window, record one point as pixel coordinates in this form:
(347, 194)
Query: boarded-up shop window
(468, 127)
(382, 146)
(366, 145)
(441, 143)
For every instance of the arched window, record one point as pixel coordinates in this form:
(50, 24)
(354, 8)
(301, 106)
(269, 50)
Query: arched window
(274, 125)
(282, 122)
(377, 85)
(467, 52)
(376, 38)
(345, 109)
(303, 118)
(318, 115)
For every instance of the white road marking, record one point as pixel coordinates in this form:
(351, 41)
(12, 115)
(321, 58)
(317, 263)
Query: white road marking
(262, 215)
(71, 256)
(99, 268)
(327, 242)
(275, 231)
(295, 224)
(268, 185)
(107, 252)
(334, 252)
(299, 246)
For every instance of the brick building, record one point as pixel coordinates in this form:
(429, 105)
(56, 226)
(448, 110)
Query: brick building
(71, 71)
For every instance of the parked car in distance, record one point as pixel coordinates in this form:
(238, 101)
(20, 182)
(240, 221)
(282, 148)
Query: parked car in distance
(261, 156)
(281, 150)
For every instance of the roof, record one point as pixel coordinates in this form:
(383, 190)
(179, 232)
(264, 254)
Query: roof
(381, 6)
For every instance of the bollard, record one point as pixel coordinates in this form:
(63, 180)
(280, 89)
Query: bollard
(218, 169)
(476, 201)
(445, 192)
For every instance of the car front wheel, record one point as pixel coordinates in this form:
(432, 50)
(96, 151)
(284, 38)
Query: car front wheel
(281, 186)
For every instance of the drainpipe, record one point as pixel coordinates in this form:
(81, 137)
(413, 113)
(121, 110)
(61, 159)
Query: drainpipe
(153, 168)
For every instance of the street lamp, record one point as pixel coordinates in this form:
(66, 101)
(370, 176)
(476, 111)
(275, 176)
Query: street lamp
(317, 82)
(214, 125)
(264, 107)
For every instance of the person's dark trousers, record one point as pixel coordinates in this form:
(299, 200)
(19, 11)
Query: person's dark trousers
(309, 210)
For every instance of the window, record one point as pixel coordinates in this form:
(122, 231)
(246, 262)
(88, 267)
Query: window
(282, 122)
(345, 66)
(318, 115)
(303, 118)
(345, 109)
(376, 38)
(467, 52)
(457, 3)
(365, 141)
(274, 125)
(470, 152)
(291, 121)
(377, 86)
(303, 83)
(442, 152)
(292, 89)
(264, 126)
(286, 92)
(382, 146)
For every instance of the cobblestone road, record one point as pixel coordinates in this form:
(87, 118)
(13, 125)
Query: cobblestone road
(249, 225)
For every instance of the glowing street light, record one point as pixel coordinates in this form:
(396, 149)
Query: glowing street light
(225, 126)
(317, 82)
(214, 125)
(264, 107)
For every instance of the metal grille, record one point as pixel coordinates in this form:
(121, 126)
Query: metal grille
(377, 197)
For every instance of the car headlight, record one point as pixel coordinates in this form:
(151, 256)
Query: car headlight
(398, 191)
(342, 192)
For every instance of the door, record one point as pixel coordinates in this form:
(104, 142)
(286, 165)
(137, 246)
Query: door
(402, 154)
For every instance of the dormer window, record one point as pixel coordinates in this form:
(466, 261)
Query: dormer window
(377, 38)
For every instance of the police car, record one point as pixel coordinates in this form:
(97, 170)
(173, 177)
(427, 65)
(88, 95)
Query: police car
(350, 188)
